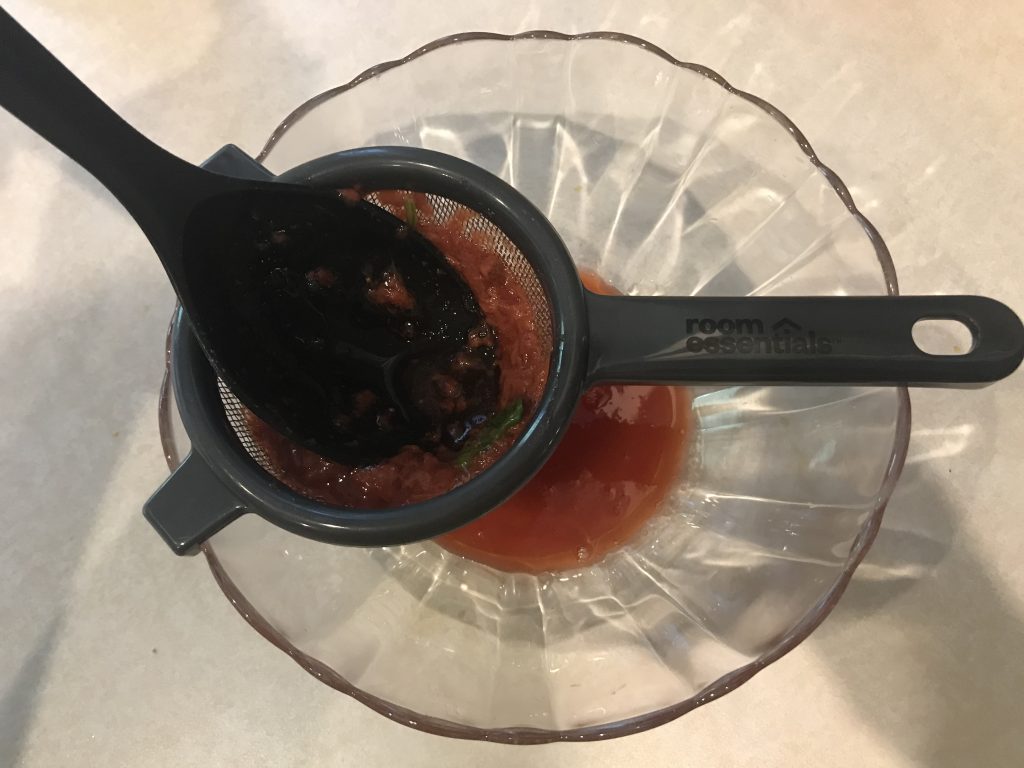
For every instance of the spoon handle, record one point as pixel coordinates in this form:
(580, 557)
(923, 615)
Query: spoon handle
(801, 340)
(35, 87)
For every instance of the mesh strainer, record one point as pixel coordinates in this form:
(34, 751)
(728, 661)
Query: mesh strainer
(830, 340)
(226, 474)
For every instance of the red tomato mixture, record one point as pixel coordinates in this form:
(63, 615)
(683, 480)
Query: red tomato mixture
(622, 453)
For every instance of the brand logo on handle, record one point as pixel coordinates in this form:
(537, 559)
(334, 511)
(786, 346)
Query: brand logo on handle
(747, 336)
(785, 327)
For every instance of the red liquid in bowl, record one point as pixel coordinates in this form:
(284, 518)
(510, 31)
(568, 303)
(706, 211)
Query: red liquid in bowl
(621, 456)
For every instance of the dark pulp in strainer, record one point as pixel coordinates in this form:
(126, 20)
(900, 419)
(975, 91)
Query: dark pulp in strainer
(512, 343)
(620, 458)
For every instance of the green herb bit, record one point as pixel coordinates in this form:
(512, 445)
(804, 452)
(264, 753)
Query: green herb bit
(410, 212)
(492, 430)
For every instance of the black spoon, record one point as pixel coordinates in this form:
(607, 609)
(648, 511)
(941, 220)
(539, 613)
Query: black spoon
(272, 276)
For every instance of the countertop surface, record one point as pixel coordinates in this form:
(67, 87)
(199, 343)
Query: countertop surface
(116, 653)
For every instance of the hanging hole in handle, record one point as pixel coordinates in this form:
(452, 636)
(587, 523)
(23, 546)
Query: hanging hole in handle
(943, 336)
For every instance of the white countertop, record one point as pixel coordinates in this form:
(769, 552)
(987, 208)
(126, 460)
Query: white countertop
(115, 653)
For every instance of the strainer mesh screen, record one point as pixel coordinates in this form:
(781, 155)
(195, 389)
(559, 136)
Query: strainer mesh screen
(235, 413)
(453, 218)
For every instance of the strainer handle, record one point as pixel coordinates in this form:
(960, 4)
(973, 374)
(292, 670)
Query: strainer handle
(796, 340)
(191, 506)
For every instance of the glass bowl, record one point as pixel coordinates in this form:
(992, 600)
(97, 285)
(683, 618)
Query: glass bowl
(665, 180)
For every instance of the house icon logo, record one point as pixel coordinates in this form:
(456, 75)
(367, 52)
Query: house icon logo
(786, 327)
